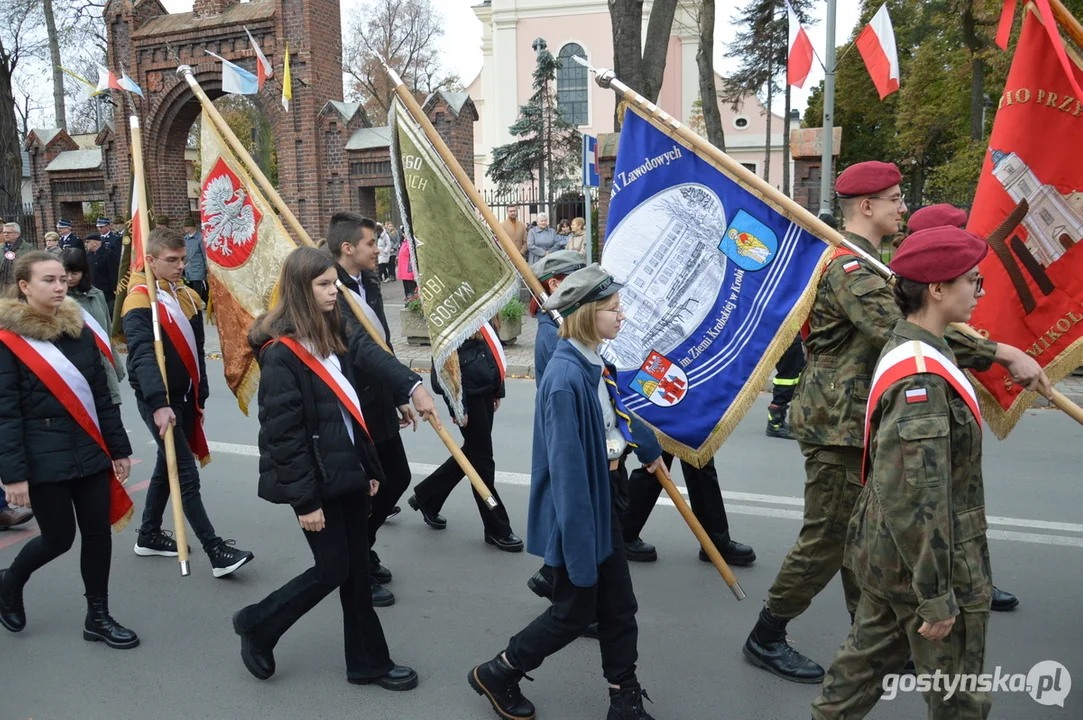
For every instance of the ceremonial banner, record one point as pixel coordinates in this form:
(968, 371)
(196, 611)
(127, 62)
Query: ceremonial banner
(246, 247)
(463, 276)
(717, 282)
(1034, 277)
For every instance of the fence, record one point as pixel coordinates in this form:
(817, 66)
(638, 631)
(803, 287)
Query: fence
(24, 216)
(566, 204)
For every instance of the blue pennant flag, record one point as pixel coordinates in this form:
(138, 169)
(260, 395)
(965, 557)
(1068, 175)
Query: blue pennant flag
(718, 279)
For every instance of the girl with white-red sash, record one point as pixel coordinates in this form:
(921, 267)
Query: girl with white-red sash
(63, 449)
(317, 457)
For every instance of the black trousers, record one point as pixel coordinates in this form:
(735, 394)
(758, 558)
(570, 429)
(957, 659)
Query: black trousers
(409, 287)
(385, 271)
(611, 601)
(341, 553)
(396, 480)
(57, 508)
(187, 469)
(787, 373)
(433, 491)
(704, 495)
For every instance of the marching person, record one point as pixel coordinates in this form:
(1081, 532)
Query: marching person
(316, 456)
(787, 373)
(61, 442)
(178, 402)
(96, 313)
(551, 271)
(578, 441)
(482, 378)
(925, 586)
(384, 385)
(853, 316)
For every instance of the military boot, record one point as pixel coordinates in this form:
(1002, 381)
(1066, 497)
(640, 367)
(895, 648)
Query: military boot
(626, 703)
(101, 627)
(767, 648)
(777, 427)
(12, 612)
(498, 682)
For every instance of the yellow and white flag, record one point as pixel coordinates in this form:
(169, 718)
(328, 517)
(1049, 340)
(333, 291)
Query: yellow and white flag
(287, 81)
(246, 246)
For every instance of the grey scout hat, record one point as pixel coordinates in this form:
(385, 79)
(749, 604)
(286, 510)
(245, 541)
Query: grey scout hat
(581, 287)
(561, 262)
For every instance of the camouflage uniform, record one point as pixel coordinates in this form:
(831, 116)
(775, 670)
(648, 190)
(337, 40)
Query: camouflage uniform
(916, 545)
(852, 318)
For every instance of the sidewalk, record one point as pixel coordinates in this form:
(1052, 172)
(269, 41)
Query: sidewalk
(521, 354)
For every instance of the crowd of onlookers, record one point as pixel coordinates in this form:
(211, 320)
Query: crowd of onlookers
(539, 238)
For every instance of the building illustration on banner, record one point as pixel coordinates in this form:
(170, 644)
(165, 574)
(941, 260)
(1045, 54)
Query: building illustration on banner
(1055, 222)
(675, 236)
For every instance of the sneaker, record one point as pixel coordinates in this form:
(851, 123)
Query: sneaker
(159, 543)
(227, 559)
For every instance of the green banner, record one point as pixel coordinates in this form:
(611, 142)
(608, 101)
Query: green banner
(463, 276)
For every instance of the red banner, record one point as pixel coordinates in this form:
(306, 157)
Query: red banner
(1029, 204)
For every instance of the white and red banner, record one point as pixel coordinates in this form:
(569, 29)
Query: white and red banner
(799, 58)
(876, 43)
(264, 69)
(327, 369)
(138, 244)
(101, 338)
(492, 339)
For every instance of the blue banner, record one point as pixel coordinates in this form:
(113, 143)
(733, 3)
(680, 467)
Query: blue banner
(590, 161)
(717, 282)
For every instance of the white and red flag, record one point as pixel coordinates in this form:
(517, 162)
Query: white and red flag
(799, 58)
(876, 43)
(264, 69)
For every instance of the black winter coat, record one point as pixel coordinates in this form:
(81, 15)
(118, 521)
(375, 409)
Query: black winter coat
(40, 442)
(479, 372)
(294, 404)
(383, 383)
(104, 267)
(143, 372)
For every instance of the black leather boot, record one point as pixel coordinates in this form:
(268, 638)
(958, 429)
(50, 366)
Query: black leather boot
(101, 627)
(777, 427)
(767, 648)
(498, 681)
(258, 659)
(12, 613)
(1003, 600)
(540, 585)
(626, 703)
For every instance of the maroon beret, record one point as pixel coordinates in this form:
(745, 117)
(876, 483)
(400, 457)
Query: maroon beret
(936, 216)
(939, 254)
(867, 178)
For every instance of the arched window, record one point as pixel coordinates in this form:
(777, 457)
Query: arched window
(572, 85)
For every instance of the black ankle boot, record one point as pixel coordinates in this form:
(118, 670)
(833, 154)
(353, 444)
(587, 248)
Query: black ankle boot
(766, 647)
(626, 703)
(777, 427)
(12, 613)
(101, 627)
(498, 681)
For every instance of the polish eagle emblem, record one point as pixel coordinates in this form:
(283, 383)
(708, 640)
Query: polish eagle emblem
(229, 218)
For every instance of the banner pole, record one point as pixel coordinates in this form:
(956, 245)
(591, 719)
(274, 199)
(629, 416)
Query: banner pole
(179, 528)
(280, 205)
(1068, 22)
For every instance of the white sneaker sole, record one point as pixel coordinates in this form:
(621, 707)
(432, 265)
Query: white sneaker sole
(222, 572)
(150, 552)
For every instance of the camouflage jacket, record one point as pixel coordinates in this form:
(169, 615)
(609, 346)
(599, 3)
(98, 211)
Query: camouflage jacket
(852, 317)
(917, 534)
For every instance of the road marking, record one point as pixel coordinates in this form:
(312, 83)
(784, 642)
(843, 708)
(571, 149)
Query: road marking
(523, 479)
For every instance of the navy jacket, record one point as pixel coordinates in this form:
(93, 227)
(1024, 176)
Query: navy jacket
(569, 521)
(544, 344)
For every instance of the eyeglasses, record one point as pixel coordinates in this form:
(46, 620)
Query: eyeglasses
(897, 199)
(979, 282)
(170, 260)
(618, 310)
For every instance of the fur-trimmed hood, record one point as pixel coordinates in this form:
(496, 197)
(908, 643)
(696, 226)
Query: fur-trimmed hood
(21, 319)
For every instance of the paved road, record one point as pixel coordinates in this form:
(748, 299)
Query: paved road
(459, 599)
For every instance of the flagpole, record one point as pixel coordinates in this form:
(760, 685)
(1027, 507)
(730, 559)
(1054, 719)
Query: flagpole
(179, 528)
(269, 190)
(1067, 21)
(827, 165)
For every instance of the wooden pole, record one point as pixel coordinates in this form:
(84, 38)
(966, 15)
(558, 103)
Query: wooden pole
(269, 190)
(1067, 22)
(180, 530)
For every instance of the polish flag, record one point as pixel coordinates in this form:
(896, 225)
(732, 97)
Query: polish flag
(876, 43)
(138, 250)
(799, 62)
(107, 80)
(264, 69)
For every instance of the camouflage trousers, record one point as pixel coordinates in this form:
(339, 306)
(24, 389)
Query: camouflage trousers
(883, 635)
(832, 486)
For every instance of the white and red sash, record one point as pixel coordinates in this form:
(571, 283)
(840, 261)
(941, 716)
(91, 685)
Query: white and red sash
(369, 312)
(914, 358)
(497, 348)
(179, 330)
(72, 390)
(101, 338)
(326, 370)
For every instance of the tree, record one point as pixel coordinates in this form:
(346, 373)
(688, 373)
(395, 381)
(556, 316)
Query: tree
(59, 109)
(762, 46)
(547, 146)
(640, 65)
(405, 33)
(708, 92)
(16, 42)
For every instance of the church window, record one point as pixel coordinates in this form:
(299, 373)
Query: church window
(572, 85)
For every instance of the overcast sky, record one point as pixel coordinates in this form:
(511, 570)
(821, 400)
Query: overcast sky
(462, 37)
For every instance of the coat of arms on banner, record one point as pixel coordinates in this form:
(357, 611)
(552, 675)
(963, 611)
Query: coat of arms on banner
(749, 243)
(229, 217)
(660, 381)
